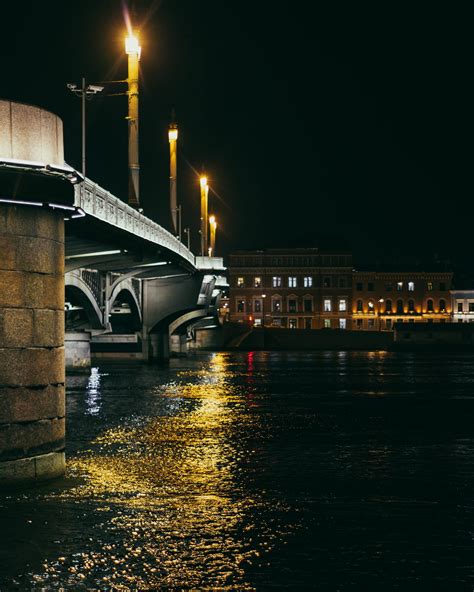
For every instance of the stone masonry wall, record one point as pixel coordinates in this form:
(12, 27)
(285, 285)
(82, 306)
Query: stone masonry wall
(32, 401)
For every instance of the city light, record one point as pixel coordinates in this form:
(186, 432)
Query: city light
(203, 181)
(173, 134)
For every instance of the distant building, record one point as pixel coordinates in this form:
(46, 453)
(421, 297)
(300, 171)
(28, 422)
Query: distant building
(462, 302)
(380, 299)
(293, 288)
(311, 289)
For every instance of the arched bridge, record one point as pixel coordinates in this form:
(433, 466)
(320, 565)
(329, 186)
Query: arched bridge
(124, 276)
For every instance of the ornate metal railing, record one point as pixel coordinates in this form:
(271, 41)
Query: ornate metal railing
(97, 202)
(92, 280)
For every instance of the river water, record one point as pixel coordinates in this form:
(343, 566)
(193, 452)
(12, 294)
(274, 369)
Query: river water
(259, 470)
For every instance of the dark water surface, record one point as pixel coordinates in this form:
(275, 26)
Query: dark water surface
(251, 471)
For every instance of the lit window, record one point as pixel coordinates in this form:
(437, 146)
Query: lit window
(240, 282)
(292, 281)
(276, 305)
(399, 286)
(371, 306)
(307, 281)
(429, 286)
(342, 305)
(276, 281)
(327, 305)
(240, 305)
(411, 286)
(327, 323)
(257, 282)
(342, 323)
(293, 323)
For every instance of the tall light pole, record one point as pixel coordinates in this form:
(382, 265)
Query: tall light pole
(187, 232)
(204, 221)
(86, 93)
(173, 140)
(133, 50)
(213, 227)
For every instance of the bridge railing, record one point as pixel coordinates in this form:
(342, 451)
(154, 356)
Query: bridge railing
(98, 202)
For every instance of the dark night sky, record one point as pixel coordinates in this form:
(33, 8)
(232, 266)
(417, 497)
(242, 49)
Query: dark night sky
(316, 125)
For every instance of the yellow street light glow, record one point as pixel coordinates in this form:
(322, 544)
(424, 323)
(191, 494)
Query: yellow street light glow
(203, 181)
(173, 134)
(132, 45)
(212, 219)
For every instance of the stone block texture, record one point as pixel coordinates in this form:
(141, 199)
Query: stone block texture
(32, 414)
(30, 133)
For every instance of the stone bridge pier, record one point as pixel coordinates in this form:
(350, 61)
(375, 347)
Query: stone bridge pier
(32, 400)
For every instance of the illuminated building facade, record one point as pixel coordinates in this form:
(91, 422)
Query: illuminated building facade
(310, 289)
(291, 288)
(380, 299)
(462, 302)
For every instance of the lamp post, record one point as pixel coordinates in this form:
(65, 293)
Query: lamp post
(187, 232)
(263, 310)
(381, 300)
(86, 93)
(213, 227)
(173, 140)
(204, 199)
(133, 50)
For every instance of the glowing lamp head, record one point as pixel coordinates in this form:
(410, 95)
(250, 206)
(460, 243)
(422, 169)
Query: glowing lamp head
(203, 181)
(212, 220)
(173, 134)
(132, 45)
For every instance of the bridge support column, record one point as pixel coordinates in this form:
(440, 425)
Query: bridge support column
(159, 346)
(32, 414)
(178, 345)
(78, 350)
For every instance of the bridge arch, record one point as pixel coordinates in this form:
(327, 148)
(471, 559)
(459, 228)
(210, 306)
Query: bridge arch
(79, 293)
(124, 294)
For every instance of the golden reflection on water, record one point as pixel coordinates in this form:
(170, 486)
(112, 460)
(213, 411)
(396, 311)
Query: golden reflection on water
(173, 479)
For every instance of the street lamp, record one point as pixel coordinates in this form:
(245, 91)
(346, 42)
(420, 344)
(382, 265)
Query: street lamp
(133, 50)
(213, 227)
(175, 209)
(187, 232)
(86, 93)
(263, 310)
(204, 199)
(381, 300)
